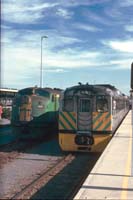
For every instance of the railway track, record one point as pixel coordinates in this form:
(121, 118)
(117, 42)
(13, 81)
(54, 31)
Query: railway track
(51, 171)
(10, 151)
(44, 178)
(67, 182)
(62, 180)
(52, 177)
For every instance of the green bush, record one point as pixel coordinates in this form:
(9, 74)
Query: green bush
(6, 113)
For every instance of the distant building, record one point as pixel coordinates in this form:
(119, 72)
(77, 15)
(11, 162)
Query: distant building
(6, 96)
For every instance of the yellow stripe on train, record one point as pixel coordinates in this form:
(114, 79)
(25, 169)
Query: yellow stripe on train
(67, 143)
(102, 121)
(25, 112)
(67, 120)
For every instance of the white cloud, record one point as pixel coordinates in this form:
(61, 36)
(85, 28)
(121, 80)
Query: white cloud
(64, 13)
(25, 17)
(27, 38)
(121, 64)
(126, 3)
(122, 46)
(22, 56)
(21, 53)
(68, 61)
(86, 27)
(55, 70)
(95, 17)
(129, 28)
(30, 12)
(66, 48)
(41, 6)
(24, 11)
(21, 66)
(120, 12)
(23, 6)
(21, 59)
(71, 3)
(66, 40)
(5, 27)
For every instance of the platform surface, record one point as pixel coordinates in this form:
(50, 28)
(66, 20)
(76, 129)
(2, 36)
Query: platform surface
(4, 122)
(112, 176)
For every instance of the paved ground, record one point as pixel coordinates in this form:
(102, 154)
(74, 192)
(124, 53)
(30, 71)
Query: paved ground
(112, 176)
(19, 172)
(4, 121)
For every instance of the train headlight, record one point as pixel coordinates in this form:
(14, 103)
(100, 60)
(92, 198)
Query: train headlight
(57, 95)
(40, 105)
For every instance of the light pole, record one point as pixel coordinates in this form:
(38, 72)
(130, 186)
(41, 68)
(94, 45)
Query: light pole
(132, 91)
(41, 70)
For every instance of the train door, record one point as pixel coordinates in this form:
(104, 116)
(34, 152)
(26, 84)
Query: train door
(84, 119)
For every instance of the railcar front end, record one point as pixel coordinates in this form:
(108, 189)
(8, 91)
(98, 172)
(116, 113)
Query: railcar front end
(35, 109)
(83, 115)
(86, 118)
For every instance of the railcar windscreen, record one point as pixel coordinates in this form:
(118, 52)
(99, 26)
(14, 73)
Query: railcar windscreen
(26, 91)
(102, 104)
(84, 105)
(68, 105)
(31, 91)
(41, 92)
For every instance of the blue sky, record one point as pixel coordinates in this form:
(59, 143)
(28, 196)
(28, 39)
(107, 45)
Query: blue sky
(88, 41)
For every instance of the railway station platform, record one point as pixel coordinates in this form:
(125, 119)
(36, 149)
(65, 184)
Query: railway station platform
(112, 176)
(4, 122)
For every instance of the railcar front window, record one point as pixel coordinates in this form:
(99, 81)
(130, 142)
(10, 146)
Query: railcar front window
(68, 105)
(102, 104)
(26, 91)
(84, 105)
(42, 92)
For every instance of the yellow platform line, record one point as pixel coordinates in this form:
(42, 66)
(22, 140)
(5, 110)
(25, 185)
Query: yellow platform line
(128, 170)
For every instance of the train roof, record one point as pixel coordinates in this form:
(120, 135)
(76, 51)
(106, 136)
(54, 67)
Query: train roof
(104, 89)
(107, 86)
(31, 90)
(53, 90)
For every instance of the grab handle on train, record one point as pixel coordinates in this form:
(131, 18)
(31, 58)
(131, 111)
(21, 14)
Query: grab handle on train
(132, 76)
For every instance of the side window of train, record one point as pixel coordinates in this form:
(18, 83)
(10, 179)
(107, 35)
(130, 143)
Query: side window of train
(101, 104)
(84, 105)
(68, 105)
(114, 105)
(120, 104)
